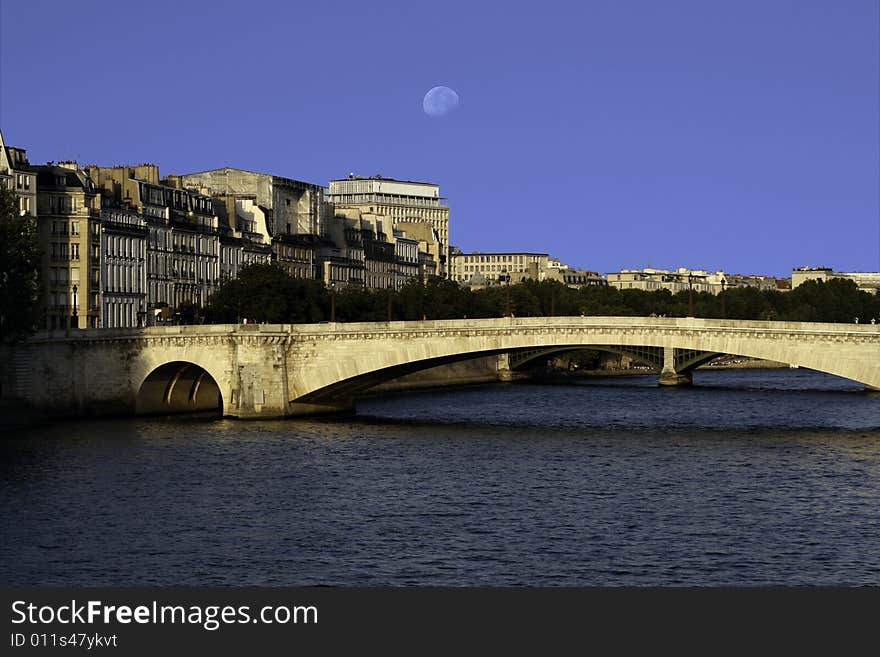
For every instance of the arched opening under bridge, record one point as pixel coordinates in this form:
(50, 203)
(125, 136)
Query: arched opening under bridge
(178, 387)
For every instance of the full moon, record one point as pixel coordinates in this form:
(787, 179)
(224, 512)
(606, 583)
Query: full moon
(439, 101)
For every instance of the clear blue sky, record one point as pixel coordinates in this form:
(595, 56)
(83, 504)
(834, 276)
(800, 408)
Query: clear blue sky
(613, 133)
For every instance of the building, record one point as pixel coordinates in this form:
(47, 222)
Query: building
(580, 277)
(370, 252)
(406, 259)
(186, 246)
(69, 229)
(866, 281)
(299, 255)
(183, 236)
(429, 247)
(680, 280)
(763, 283)
(380, 266)
(684, 279)
(17, 174)
(480, 269)
(244, 233)
(403, 201)
(292, 207)
(342, 259)
(123, 268)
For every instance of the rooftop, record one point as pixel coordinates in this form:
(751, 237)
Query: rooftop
(378, 176)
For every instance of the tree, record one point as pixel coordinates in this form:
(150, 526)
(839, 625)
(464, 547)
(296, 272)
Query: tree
(19, 270)
(267, 293)
(258, 295)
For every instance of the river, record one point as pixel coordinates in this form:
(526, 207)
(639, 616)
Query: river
(750, 477)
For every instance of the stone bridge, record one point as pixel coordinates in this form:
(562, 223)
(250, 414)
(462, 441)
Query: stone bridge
(283, 370)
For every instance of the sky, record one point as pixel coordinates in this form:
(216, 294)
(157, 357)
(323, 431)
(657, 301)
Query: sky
(742, 136)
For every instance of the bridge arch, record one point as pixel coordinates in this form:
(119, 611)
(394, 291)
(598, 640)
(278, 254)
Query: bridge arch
(178, 387)
(337, 367)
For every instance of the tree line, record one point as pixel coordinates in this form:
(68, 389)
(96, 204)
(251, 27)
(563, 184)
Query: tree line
(266, 293)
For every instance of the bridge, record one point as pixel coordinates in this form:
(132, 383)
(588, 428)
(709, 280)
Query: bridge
(262, 371)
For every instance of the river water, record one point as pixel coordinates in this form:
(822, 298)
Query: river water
(750, 477)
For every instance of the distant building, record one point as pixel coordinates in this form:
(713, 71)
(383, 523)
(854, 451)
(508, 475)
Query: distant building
(403, 201)
(684, 279)
(477, 270)
(866, 281)
(480, 269)
(580, 277)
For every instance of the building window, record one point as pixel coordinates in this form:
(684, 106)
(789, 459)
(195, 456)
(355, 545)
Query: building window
(74, 251)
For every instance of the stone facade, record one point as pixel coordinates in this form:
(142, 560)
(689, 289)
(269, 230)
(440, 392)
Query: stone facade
(182, 236)
(244, 233)
(123, 268)
(69, 229)
(402, 201)
(293, 207)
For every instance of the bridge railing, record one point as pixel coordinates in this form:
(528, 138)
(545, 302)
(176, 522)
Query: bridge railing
(576, 322)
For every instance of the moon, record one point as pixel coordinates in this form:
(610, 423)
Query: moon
(439, 101)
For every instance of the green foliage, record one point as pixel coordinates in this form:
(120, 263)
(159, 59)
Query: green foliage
(19, 271)
(266, 293)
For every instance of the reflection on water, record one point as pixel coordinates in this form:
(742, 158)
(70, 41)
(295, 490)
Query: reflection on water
(749, 477)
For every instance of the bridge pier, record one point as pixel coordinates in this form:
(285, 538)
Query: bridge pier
(673, 378)
(668, 375)
(504, 372)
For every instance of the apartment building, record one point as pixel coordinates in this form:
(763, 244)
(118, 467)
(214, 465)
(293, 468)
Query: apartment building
(402, 201)
(69, 229)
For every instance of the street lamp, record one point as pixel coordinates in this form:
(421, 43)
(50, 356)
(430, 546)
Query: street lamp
(723, 309)
(690, 295)
(75, 321)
